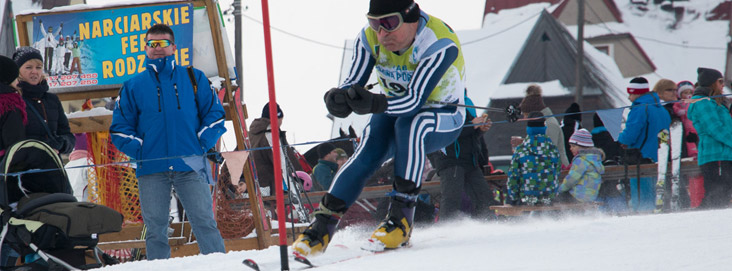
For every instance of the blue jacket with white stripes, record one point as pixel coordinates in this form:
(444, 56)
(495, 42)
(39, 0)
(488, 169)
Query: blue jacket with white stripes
(157, 116)
(429, 72)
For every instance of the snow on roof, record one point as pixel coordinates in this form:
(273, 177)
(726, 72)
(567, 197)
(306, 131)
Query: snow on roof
(501, 40)
(490, 51)
(515, 90)
(37, 9)
(97, 111)
(695, 42)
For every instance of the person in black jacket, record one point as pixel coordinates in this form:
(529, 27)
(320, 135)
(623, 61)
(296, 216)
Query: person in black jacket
(611, 193)
(459, 166)
(571, 124)
(47, 121)
(12, 107)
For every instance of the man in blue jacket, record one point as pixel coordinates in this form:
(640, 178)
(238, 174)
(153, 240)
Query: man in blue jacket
(163, 121)
(646, 119)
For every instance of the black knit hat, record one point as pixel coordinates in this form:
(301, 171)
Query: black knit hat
(25, 53)
(573, 108)
(324, 149)
(8, 70)
(265, 111)
(707, 77)
(409, 13)
(538, 119)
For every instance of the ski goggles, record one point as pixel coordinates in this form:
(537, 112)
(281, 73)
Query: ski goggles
(389, 22)
(159, 43)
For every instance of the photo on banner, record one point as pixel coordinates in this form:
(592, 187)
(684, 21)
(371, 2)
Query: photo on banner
(106, 47)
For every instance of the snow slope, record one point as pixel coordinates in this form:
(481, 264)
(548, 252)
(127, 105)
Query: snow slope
(680, 241)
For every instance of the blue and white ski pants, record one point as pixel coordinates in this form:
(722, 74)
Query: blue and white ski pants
(407, 138)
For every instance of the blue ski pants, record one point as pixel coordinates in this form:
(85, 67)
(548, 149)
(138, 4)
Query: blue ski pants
(407, 138)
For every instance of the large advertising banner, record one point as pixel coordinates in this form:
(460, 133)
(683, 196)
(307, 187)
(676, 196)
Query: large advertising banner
(106, 47)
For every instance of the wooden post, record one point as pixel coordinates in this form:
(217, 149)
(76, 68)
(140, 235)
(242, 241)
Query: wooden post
(214, 20)
(580, 52)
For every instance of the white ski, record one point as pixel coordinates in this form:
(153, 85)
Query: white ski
(663, 150)
(676, 145)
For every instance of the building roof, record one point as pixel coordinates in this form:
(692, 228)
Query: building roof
(610, 4)
(495, 6)
(632, 39)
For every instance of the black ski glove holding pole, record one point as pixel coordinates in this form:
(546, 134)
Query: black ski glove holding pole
(363, 101)
(335, 102)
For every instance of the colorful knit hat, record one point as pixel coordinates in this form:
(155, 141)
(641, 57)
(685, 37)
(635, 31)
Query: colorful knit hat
(582, 137)
(638, 85)
(684, 86)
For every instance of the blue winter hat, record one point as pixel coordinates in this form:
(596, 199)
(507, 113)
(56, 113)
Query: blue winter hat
(265, 111)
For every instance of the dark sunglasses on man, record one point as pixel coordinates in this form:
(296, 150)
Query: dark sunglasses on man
(391, 21)
(159, 43)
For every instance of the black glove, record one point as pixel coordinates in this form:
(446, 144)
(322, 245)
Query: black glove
(56, 143)
(214, 156)
(692, 138)
(335, 101)
(363, 101)
(65, 146)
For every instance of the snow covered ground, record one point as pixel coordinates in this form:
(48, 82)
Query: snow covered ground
(680, 241)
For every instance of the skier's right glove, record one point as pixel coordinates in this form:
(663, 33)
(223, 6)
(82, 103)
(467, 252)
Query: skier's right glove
(692, 138)
(363, 101)
(335, 101)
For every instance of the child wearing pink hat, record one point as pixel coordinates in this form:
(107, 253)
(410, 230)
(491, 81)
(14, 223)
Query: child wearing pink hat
(582, 183)
(685, 89)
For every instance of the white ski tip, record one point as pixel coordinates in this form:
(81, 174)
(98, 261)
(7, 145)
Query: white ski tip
(373, 245)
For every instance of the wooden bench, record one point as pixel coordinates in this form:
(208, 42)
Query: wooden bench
(519, 210)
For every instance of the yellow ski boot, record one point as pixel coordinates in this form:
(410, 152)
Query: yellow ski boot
(315, 239)
(395, 230)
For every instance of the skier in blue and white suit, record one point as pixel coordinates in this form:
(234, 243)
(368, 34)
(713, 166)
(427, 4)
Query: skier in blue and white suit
(419, 63)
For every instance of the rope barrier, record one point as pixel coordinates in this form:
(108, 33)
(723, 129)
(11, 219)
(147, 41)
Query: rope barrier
(353, 139)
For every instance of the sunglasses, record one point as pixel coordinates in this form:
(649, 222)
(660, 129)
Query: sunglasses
(159, 43)
(389, 22)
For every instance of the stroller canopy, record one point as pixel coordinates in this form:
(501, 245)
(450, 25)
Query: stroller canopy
(46, 174)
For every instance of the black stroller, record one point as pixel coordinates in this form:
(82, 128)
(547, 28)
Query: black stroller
(42, 222)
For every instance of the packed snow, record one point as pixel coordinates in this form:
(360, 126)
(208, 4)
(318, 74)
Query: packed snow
(681, 241)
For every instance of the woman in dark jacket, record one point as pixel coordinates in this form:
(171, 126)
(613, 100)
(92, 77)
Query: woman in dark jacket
(12, 107)
(46, 119)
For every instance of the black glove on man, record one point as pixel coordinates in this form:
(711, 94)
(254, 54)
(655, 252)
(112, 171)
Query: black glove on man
(363, 101)
(335, 101)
